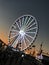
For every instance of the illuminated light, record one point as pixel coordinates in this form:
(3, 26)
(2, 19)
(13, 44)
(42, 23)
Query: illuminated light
(22, 55)
(22, 33)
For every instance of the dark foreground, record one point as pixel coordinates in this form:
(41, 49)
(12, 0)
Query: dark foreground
(13, 57)
(10, 56)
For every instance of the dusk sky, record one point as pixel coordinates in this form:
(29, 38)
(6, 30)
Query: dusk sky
(10, 10)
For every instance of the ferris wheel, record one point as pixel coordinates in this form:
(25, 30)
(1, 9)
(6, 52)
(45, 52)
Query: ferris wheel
(23, 32)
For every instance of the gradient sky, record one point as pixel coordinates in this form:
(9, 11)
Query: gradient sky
(10, 10)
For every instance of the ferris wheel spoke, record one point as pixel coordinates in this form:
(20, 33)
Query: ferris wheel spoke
(18, 25)
(22, 21)
(31, 25)
(16, 42)
(14, 31)
(30, 36)
(25, 20)
(28, 20)
(27, 40)
(31, 32)
(13, 36)
(32, 29)
(24, 42)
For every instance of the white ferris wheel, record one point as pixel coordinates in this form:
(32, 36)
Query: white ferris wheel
(23, 32)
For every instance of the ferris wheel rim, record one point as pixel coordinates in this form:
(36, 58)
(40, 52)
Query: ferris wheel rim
(36, 30)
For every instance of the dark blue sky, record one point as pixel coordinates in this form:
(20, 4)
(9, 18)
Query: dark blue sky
(10, 10)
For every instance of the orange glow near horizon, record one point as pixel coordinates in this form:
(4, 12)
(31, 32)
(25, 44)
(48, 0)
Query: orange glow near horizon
(4, 37)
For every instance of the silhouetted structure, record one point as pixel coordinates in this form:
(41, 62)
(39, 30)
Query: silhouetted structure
(12, 56)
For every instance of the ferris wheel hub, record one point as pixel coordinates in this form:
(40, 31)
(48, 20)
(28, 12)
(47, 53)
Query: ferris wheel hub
(22, 33)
